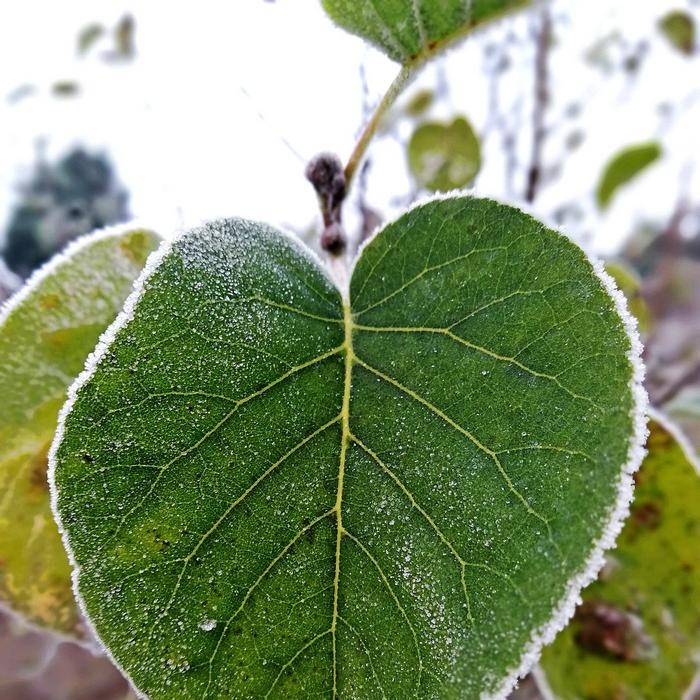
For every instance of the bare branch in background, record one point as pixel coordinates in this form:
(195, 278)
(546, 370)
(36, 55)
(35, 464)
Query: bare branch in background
(541, 101)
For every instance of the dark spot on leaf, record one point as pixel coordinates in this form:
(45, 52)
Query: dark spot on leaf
(646, 515)
(610, 631)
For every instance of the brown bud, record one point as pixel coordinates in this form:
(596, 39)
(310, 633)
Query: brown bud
(333, 239)
(325, 173)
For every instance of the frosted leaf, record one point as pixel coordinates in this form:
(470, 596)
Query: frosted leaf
(338, 483)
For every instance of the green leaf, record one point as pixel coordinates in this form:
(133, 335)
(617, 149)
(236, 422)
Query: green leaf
(46, 332)
(624, 167)
(65, 88)
(410, 31)
(270, 493)
(444, 157)
(420, 102)
(678, 26)
(88, 36)
(637, 634)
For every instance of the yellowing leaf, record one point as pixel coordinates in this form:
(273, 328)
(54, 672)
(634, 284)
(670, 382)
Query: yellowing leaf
(637, 634)
(46, 332)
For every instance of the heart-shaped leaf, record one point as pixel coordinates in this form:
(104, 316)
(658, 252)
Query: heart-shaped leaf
(46, 332)
(444, 157)
(624, 167)
(637, 634)
(409, 31)
(270, 492)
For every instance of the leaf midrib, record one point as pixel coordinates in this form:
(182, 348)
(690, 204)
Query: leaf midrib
(344, 441)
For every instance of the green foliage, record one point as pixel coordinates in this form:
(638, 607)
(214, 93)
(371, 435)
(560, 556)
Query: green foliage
(65, 88)
(419, 103)
(78, 194)
(637, 634)
(272, 492)
(409, 31)
(45, 335)
(444, 157)
(623, 167)
(678, 26)
(88, 36)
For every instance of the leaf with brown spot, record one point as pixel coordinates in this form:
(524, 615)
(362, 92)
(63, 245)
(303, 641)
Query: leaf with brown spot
(637, 634)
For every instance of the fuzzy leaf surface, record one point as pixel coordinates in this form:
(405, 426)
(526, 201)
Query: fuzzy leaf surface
(45, 336)
(410, 31)
(273, 493)
(637, 634)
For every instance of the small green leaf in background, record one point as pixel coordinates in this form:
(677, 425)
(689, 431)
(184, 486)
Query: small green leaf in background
(88, 36)
(409, 31)
(419, 103)
(124, 37)
(624, 167)
(637, 634)
(274, 493)
(65, 88)
(630, 284)
(444, 157)
(678, 26)
(46, 332)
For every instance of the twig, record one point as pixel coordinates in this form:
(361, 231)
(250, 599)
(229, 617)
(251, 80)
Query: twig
(544, 42)
(402, 79)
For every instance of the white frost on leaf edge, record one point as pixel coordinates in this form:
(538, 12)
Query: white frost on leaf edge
(29, 286)
(91, 363)
(63, 257)
(618, 513)
(563, 612)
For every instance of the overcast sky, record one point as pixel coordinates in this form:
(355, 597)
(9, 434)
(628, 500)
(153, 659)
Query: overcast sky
(225, 102)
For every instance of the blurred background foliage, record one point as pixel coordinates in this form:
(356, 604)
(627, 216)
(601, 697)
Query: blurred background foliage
(589, 122)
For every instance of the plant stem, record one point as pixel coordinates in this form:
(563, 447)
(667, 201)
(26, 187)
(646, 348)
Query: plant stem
(395, 89)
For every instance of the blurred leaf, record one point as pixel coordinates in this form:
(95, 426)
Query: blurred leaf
(637, 634)
(45, 335)
(419, 103)
(630, 283)
(410, 32)
(678, 26)
(623, 167)
(65, 88)
(444, 157)
(124, 37)
(88, 36)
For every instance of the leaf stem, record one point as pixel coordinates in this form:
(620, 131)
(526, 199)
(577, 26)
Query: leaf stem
(390, 96)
